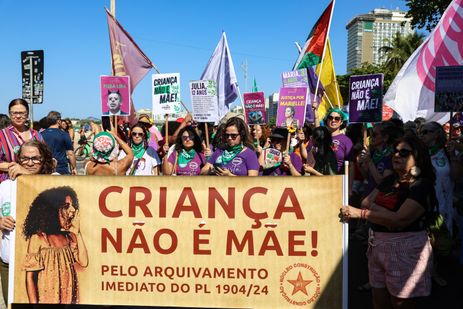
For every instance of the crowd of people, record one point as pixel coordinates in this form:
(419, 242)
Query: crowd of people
(406, 179)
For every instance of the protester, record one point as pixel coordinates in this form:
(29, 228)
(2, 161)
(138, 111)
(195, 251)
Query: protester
(303, 142)
(4, 121)
(155, 137)
(335, 121)
(261, 134)
(146, 160)
(236, 157)
(66, 126)
(400, 210)
(55, 247)
(321, 154)
(15, 135)
(433, 136)
(60, 144)
(34, 157)
(188, 158)
(292, 164)
(103, 160)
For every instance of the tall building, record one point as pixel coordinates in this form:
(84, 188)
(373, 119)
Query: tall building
(367, 33)
(272, 106)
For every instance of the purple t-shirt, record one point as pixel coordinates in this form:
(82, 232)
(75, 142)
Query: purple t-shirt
(240, 165)
(342, 147)
(384, 164)
(192, 168)
(281, 170)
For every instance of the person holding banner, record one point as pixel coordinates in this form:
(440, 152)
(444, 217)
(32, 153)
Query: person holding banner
(236, 157)
(146, 160)
(56, 249)
(15, 135)
(34, 157)
(187, 159)
(335, 121)
(400, 210)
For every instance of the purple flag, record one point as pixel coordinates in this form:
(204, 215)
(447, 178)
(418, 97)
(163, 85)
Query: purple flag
(127, 57)
(220, 69)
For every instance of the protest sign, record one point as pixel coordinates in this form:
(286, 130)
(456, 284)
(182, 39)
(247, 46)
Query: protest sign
(292, 107)
(204, 100)
(366, 98)
(449, 89)
(32, 76)
(296, 78)
(254, 107)
(256, 242)
(166, 94)
(115, 95)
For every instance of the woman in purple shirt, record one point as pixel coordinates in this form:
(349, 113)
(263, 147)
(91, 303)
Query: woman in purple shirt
(188, 158)
(236, 157)
(335, 121)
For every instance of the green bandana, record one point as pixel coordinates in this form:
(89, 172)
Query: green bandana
(138, 150)
(229, 153)
(185, 156)
(378, 155)
(434, 149)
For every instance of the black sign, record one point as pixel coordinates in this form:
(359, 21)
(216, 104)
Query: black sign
(32, 76)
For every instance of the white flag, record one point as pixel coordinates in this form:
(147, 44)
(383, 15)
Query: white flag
(220, 68)
(412, 92)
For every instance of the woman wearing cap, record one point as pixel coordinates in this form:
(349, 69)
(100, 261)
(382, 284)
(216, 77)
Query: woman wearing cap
(154, 136)
(187, 159)
(103, 160)
(146, 160)
(335, 121)
(15, 135)
(236, 157)
(292, 163)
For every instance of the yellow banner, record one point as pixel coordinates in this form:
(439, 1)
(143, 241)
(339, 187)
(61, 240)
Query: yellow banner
(260, 242)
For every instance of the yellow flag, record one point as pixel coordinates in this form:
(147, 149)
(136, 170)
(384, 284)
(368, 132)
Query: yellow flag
(328, 80)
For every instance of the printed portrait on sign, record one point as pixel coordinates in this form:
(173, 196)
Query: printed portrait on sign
(115, 95)
(55, 247)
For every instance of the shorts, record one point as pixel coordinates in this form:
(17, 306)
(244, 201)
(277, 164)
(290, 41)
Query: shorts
(400, 262)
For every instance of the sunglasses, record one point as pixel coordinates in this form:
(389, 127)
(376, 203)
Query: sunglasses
(335, 118)
(231, 135)
(187, 137)
(135, 134)
(403, 153)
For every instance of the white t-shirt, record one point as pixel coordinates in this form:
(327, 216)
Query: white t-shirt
(7, 208)
(144, 166)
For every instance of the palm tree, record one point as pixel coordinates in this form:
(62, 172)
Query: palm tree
(397, 50)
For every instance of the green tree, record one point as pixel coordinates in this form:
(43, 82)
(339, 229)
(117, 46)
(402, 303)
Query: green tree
(426, 13)
(398, 49)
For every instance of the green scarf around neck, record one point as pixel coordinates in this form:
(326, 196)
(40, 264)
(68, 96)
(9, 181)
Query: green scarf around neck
(185, 156)
(229, 153)
(138, 150)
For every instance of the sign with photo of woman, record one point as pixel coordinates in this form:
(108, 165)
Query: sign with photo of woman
(292, 107)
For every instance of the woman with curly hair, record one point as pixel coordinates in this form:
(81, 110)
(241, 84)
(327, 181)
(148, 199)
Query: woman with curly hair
(188, 157)
(146, 160)
(236, 157)
(55, 249)
(34, 157)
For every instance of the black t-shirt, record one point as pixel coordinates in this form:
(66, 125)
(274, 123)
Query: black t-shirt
(392, 198)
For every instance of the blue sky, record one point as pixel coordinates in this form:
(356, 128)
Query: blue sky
(178, 36)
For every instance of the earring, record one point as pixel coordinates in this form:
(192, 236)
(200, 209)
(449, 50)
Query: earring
(415, 171)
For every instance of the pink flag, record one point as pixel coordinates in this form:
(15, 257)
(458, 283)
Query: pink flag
(411, 94)
(127, 57)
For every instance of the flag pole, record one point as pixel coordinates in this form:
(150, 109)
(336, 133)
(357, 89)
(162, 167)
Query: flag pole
(112, 10)
(323, 55)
